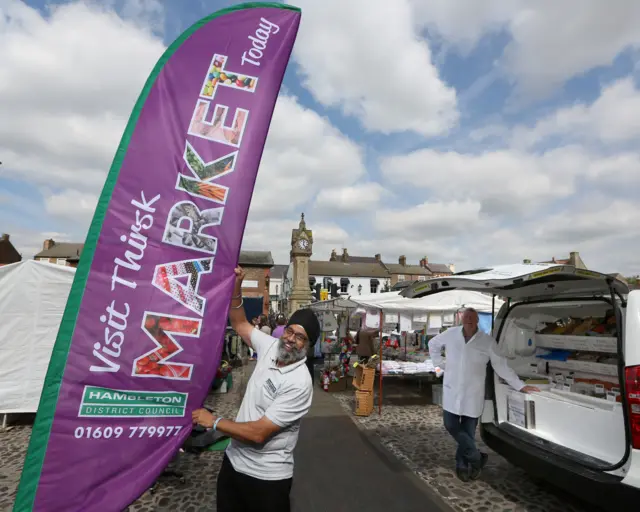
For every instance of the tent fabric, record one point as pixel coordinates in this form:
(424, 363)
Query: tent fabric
(33, 295)
(447, 301)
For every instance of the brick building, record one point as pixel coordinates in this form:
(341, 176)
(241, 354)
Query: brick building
(257, 265)
(60, 253)
(8, 253)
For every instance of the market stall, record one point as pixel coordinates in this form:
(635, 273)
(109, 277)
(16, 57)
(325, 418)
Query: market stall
(403, 326)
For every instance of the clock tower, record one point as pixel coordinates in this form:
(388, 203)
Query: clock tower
(301, 249)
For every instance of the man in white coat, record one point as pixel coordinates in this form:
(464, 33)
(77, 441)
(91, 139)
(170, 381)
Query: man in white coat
(468, 350)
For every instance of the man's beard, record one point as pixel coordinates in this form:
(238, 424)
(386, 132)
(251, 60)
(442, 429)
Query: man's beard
(285, 357)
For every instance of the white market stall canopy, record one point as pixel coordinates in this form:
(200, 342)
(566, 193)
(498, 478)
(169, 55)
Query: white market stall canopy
(449, 301)
(433, 311)
(33, 296)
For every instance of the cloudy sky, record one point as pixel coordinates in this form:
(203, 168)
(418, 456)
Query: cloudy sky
(475, 132)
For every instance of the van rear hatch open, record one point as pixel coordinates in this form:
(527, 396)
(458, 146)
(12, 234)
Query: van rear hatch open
(562, 330)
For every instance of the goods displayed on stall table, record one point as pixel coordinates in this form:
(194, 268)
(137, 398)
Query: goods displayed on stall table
(571, 346)
(402, 329)
(574, 362)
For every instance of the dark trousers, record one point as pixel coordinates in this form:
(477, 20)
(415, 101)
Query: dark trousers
(237, 492)
(311, 369)
(463, 430)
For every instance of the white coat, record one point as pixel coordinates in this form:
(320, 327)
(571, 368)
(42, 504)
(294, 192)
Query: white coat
(465, 370)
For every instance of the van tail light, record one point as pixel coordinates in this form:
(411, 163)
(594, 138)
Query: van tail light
(632, 377)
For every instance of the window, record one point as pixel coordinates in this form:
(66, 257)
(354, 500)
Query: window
(61, 261)
(422, 278)
(344, 285)
(277, 290)
(374, 285)
(400, 278)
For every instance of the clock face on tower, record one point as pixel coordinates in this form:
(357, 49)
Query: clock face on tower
(303, 244)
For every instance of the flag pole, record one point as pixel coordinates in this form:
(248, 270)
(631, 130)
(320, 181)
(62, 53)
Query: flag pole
(380, 378)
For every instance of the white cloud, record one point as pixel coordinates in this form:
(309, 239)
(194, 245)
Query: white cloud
(551, 41)
(592, 221)
(612, 118)
(464, 22)
(304, 153)
(351, 200)
(63, 140)
(147, 13)
(554, 41)
(503, 181)
(367, 57)
(620, 172)
(70, 80)
(489, 131)
(67, 88)
(429, 220)
(72, 204)
(605, 232)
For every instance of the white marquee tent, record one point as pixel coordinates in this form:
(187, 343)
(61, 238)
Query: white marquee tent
(33, 296)
(447, 301)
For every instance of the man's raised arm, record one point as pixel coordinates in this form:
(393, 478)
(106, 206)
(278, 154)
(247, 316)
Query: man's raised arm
(237, 316)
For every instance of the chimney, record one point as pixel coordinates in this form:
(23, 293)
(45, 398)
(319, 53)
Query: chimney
(345, 255)
(48, 244)
(5, 237)
(576, 260)
(378, 258)
(402, 260)
(334, 255)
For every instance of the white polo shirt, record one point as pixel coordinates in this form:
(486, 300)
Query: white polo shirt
(283, 395)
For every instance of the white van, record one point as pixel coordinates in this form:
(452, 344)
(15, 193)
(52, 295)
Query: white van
(575, 334)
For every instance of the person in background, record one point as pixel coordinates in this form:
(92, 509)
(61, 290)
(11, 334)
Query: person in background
(263, 324)
(311, 358)
(257, 470)
(281, 321)
(364, 341)
(255, 321)
(468, 350)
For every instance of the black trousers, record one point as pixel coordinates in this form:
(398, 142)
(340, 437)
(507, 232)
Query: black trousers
(310, 367)
(237, 492)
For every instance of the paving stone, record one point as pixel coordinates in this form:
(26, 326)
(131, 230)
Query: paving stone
(415, 434)
(197, 495)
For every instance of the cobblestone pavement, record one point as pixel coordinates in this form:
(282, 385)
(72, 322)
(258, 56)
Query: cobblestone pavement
(410, 429)
(197, 494)
(413, 431)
